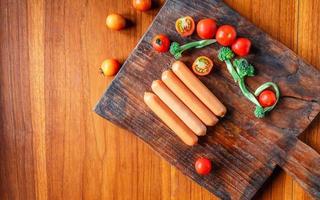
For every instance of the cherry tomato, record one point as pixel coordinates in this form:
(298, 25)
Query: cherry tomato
(241, 46)
(110, 67)
(267, 98)
(206, 28)
(226, 35)
(203, 166)
(161, 43)
(142, 5)
(185, 26)
(115, 22)
(202, 66)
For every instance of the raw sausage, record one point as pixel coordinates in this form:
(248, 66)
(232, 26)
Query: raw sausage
(181, 110)
(198, 88)
(188, 98)
(170, 119)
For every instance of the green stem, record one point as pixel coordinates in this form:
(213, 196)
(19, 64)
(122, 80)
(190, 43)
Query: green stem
(247, 93)
(241, 82)
(197, 44)
(232, 71)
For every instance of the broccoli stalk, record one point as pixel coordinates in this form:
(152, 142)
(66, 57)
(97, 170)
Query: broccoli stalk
(244, 69)
(241, 69)
(225, 55)
(176, 49)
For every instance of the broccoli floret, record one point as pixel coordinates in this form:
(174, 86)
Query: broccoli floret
(259, 112)
(225, 53)
(175, 50)
(243, 67)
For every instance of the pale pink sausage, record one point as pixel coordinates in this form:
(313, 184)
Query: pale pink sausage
(181, 110)
(170, 119)
(188, 98)
(198, 88)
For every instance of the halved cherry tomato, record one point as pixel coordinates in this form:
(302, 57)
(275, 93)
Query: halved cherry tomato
(203, 166)
(110, 67)
(226, 35)
(267, 98)
(206, 28)
(142, 5)
(185, 26)
(241, 46)
(202, 66)
(161, 43)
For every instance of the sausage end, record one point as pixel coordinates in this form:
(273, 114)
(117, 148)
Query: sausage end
(176, 66)
(192, 141)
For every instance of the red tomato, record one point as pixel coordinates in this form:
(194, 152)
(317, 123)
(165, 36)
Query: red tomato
(185, 26)
(161, 43)
(226, 35)
(203, 166)
(267, 98)
(241, 46)
(206, 28)
(142, 5)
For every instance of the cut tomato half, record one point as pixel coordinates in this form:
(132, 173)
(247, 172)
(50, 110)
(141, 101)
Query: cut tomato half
(202, 66)
(185, 26)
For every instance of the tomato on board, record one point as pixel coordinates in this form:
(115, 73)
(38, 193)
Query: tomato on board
(142, 5)
(203, 166)
(226, 35)
(110, 67)
(241, 46)
(185, 26)
(115, 22)
(202, 66)
(267, 98)
(206, 28)
(161, 43)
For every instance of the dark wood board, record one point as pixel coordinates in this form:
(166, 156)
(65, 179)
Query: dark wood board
(244, 150)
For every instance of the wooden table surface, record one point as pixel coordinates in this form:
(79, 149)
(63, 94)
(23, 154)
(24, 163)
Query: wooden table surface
(52, 146)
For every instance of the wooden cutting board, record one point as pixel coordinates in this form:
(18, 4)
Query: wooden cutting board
(244, 149)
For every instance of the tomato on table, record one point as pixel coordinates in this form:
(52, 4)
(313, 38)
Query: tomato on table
(203, 166)
(267, 98)
(241, 46)
(161, 43)
(226, 35)
(142, 5)
(185, 26)
(202, 66)
(110, 67)
(206, 28)
(115, 22)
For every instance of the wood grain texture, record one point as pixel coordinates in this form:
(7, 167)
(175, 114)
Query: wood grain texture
(248, 148)
(54, 147)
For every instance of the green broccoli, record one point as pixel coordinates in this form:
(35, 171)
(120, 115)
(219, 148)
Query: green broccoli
(226, 54)
(259, 112)
(243, 67)
(239, 70)
(176, 49)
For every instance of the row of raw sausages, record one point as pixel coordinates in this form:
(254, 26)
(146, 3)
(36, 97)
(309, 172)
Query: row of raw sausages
(184, 103)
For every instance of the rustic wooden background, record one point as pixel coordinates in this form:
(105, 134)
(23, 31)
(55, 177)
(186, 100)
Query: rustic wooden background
(52, 146)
